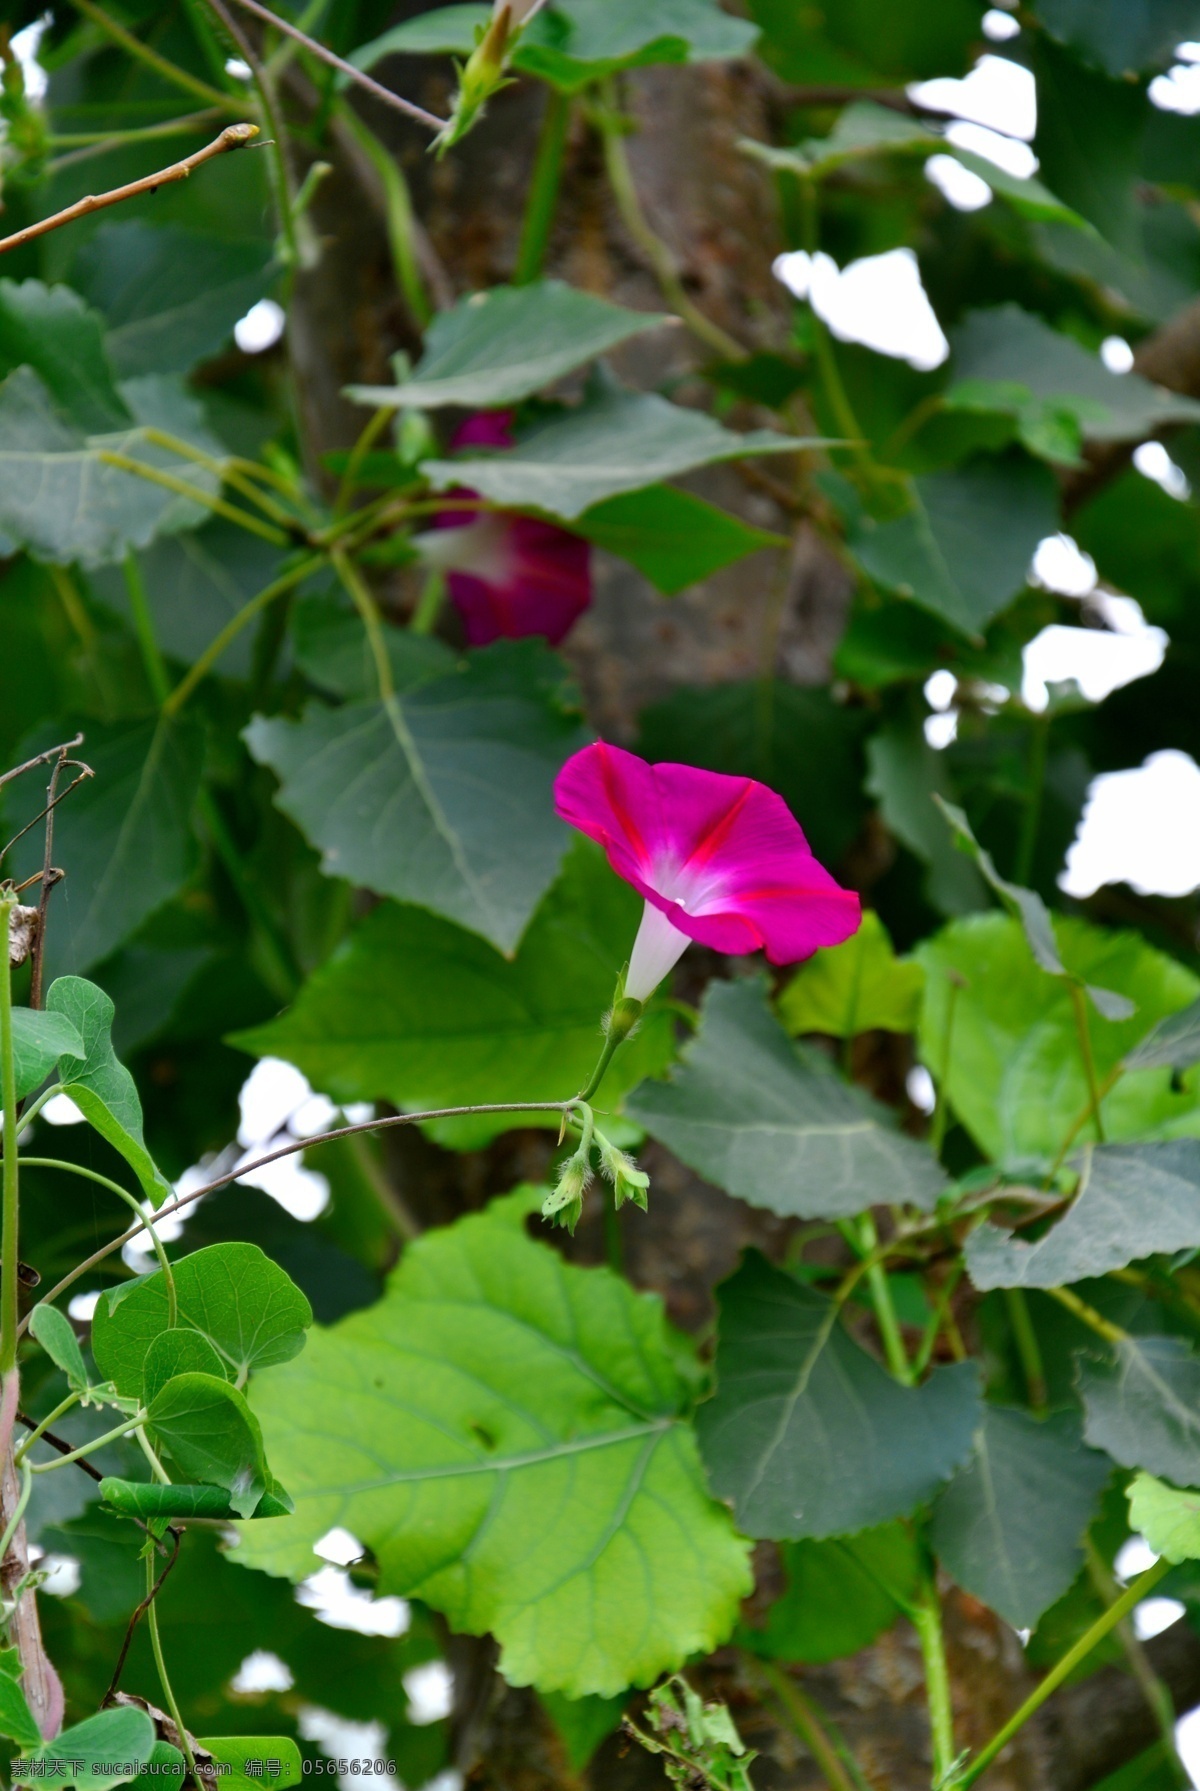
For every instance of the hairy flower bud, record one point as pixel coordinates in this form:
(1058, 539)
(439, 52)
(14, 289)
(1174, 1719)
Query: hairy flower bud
(565, 1202)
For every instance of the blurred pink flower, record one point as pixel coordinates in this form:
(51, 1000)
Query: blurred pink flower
(508, 576)
(718, 859)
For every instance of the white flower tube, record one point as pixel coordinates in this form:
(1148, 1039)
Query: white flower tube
(520, 11)
(656, 950)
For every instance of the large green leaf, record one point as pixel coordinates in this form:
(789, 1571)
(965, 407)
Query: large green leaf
(50, 330)
(964, 549)
(416, 1011)
(1142, 1406)
(239, 1301)
(499, 346)
(1088, 141)
(39, 1040)
(60, 500)
(507, 1433)
(807, 1434)
(1133, 1201)
(124, 837)
(1010, 1525)
(99, 1084)
(855, 987)
(773, 1123)
(105, 1750)
(333, 650)
(1123, 37)
(442, 796)
(1174, 1043)
(672, 536)
(861, 43)
(1016, 1075)
(840, 1595)
(170, 296)
(1168, 1518)
(1007, 347)
(615, 441)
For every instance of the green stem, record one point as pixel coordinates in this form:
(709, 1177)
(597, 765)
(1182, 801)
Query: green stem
(429, 605)
(156, 1468)
(937, 1318)
(542, 200)
(398, 213)
(155, 475)
(135, 1206)
(13, 1524)
(232, 470)
(164, 1681)
(1029, 1349)
(31, 1112)
(927, 1621)
(143, 627)
(1156, 1694)
(10, 1222)
(200, 670)
(1027, 844)
(110, 1436)
(178, 77)
(358, 453)
(364, 602)
(621, 1022)
(838, 1767)
(1079, 1003)
(40, 1430)
(1116, 1612)
(881, 1297)
(1088, 1315)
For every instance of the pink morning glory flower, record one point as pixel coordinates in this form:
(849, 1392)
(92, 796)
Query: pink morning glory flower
(508, 576)
(718, 859)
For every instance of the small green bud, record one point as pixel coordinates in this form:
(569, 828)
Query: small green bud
(564, 1203)
(629, 1182)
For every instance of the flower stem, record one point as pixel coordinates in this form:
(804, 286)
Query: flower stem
(160, 1663)
(621, 1022)
(1079, 1003)
(926, 1618)
(867, 1242)
(10, 1221)
(110, 1436)
(200, 670)
(1131, 1597)
(542, 201)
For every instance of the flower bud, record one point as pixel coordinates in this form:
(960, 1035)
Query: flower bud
(565, 1202)
(629, 1182)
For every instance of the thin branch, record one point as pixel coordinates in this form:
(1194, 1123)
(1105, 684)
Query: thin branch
(138, 1614)
(47, 814)
(63, 1448)
(429, 119)
(289, 1150)
(234, 136)
(43, 758)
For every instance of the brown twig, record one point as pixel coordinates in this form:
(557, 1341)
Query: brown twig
(47, 814)
(234, 136)
(50, 877)
(63, 1448)
(135, 1619)
(395, 100)
(43, 758)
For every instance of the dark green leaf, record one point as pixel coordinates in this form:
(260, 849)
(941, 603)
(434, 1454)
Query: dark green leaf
(616, 441)
(1174, 1043)
(39, 1040)
(1134, 1200)
(211, 1435)
(583, 1723)
(55, 1333)
(840, 1595)
(807, 1434)
(963, 551)
(100, 1085)
(906, 774)
(772, 1122)
(505, 344)
(576, 1527)
(239, 1752)
(671, 536)
(446, 30)
(1123, 37)
(16, 1718)
(1088, 141)
(1010, 1525)
(861, 43)
(148, 1500)
(333, 650)
(443, 796)
(1142, 1406)
(856, 987)
(181, 1351)
(419, 1012)
(239, 1301)
(50, 330)
(105, 1750)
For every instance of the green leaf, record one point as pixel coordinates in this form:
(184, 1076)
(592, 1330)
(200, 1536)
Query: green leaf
(1026, 906)
(499, 346)
(1010, 1525)
(56, 1334)
(107, 1749)
(861, 129)
(861, 43)
(906, 774)
(1016, 1075)
(1142, 1406)
(240, 1302)
(772, 1122)
(446, 30)
(60, 500)
(1023, 363)
(418, 1012)
(964, 549)
(39, 1040)
(803, 743)
(857, 987)
(1173, 1044)
(147, 1500)
(841, 1594)
(181, 1351)
(583, 1723)
(1028, 197)
(210, 1434)
(1088, 142)
(807, 1434)
(1133, 1201)
(276, 1760)
(615, 441)
(1168, 1518)
(17, 1721)
(332, 649)
(1123, 37)
(507, 1433)
(50, 330)
(101, 1087)
(170, 296)
(124, 837)
(443, 797)
(674, 538)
